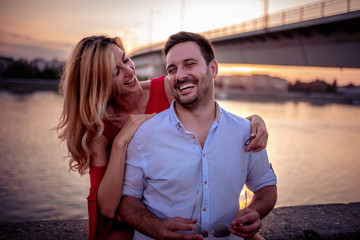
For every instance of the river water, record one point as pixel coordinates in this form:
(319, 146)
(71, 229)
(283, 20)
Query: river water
(314, 149)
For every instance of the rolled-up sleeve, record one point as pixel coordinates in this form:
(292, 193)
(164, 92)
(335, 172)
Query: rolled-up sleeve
(134, 171)
(260, 172)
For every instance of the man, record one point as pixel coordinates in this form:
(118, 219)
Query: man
(189, 152)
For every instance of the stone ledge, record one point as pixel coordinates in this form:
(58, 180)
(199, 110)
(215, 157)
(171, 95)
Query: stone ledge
(313, 222)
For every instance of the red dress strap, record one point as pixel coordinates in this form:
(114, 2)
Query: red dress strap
(158, 100)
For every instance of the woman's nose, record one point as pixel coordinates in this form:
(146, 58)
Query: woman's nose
(129, 70)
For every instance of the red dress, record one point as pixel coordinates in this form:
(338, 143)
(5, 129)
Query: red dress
(99, 225)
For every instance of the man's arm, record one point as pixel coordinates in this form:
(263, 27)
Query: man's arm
(247, 221)
(264, 200)
(134, 213)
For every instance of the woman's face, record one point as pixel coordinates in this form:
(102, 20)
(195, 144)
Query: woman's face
(125, 80)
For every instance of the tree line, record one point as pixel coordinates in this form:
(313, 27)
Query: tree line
(28, 70)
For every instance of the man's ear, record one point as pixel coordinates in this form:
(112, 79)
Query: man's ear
(214, 68)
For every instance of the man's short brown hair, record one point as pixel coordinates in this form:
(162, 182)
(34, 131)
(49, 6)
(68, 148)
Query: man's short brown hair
(207, 49)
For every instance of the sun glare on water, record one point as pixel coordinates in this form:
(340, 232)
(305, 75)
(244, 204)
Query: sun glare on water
(245, 197)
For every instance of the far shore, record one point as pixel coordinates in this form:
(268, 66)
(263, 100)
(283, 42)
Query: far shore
(24, 86)
(273, 96)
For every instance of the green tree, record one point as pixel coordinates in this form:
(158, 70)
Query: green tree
(20, 69)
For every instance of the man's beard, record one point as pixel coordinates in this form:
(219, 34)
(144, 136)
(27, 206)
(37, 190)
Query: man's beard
(197, 100)
(188, 102)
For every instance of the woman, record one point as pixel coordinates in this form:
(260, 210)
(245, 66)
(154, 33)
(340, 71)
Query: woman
(104, 104)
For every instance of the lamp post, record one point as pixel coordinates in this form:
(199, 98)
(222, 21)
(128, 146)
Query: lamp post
(151, 16)
(182, 14)
(136, 25)
(266, 13)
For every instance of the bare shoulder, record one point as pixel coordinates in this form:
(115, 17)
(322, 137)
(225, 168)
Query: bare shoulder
(167, 87)
(145, 84)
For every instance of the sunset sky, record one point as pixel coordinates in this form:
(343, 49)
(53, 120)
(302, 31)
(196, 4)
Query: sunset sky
(49, 29)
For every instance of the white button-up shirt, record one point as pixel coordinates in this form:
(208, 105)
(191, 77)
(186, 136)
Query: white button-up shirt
(166, 166)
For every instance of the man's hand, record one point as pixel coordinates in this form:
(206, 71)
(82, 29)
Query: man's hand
(258, 133)
(134, 213)
(246, 223)
(169, 229)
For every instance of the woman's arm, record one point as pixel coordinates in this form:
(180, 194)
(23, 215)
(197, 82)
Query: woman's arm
(110, 188)
(258, 132)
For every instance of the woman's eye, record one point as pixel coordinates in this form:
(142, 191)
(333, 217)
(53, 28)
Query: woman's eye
(126, 60)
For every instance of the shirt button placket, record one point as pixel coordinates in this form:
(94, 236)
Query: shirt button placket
(205, 215)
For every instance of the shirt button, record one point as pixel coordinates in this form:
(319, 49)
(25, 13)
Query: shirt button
(204, 155)
(205, 182)
(204, 209)
(194, 137)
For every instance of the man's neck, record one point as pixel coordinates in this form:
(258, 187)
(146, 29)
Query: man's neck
(197, 121)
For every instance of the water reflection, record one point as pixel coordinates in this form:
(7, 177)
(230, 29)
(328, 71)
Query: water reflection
(314, 150)
(34, 182)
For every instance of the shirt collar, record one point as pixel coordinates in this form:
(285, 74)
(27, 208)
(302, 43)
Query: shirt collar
(178, 124)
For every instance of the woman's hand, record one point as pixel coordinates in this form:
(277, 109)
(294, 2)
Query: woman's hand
(110, 187)
(131, 125)
(258, 133)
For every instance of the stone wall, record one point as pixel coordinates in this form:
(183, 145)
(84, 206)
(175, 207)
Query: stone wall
(313, 222)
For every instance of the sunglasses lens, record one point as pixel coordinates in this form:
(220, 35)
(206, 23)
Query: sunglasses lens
(200, 230)
(221, 230)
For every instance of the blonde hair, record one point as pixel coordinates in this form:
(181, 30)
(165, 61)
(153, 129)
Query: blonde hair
(86, 85)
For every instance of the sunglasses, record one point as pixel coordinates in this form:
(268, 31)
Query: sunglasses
(248, 141)
(219, 231)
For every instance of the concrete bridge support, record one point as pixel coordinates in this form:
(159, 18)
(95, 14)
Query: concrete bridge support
(149, 64)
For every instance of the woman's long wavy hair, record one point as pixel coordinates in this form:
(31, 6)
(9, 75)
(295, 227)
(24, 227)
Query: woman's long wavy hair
(86, 85)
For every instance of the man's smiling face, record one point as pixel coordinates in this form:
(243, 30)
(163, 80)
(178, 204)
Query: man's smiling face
(190, 77)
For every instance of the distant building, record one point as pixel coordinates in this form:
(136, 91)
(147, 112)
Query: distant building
(256, 82)
(315, 86)
(350, 89)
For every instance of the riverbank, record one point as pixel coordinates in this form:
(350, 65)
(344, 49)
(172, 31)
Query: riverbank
(274, 96)
(23, 85)
(313, 222)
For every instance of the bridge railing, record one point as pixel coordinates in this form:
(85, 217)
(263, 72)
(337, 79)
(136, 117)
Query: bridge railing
(293, 15)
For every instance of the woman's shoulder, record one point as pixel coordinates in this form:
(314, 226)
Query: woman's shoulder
(145, 84)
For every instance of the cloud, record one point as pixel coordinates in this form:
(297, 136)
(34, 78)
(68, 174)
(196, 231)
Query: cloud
(24, 46)
(31, 51)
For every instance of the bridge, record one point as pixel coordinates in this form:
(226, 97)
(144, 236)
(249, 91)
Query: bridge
(324, 34)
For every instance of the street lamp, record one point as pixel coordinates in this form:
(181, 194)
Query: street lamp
(182, 14)
(266, 13)
(151, 16)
